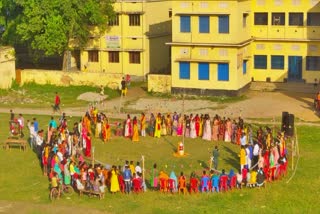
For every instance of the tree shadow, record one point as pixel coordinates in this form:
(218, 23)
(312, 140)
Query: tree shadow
(231, 152)
(232, 158)
(204, 164)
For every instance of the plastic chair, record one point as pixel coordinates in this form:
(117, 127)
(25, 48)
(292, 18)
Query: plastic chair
(121, 184)
(233, 182)
(194, 185)
(266, 173)
(205, 184)
(182, 185)
(136, 184)
(272, 171)
(171, 185)
(209, 185)
(215, 183)
(223, 184)
(163, 185)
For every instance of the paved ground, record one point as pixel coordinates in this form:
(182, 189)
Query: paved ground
(257, 105)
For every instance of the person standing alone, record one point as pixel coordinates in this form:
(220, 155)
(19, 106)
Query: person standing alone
(123, 87)
(215, 157)
(57, 102)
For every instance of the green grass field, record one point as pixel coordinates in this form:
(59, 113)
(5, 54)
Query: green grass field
(39, 96)
(22, 181)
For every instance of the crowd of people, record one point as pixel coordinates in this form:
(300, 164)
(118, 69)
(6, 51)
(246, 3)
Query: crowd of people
(191, 126)
(62, 151)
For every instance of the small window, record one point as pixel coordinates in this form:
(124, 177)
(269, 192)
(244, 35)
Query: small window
(170, 13)
(313, 63)
(93, 56)
(203, 71)
(260, 61)
(185, 24)
(134, 57)
(184, 70)
(134, 19)
(244, 66)
(244, 20)
(277, 18)
(223, 72)
(296, 19)
(114, 56)
(313, 19)
(224, 24)
(114, 21)
(204, 24)
(260, 18)
(277, 62)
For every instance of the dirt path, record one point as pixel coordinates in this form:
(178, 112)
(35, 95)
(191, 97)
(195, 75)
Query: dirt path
(257, 105)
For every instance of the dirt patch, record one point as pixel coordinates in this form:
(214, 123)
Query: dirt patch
(258, 105)
(171, 105)
(92, 97)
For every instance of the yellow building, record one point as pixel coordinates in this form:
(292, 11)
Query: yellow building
(134, 43)
(286, 43)
(219, 47)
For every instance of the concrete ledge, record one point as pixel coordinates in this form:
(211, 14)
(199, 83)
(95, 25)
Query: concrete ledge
(210, 92)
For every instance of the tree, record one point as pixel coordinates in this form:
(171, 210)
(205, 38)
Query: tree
(10, 12)
(50, 26)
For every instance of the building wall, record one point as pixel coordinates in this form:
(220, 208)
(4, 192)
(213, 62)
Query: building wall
(285, 31)
(192, 55)
(213, 9)
(212, 47)
(159, 83)
(70, 78)
(245, 40)
(285, 49)
(148, 39)
(7, 67)
(285, 40)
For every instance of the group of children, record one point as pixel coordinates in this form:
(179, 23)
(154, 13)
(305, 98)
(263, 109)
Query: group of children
(212, 182)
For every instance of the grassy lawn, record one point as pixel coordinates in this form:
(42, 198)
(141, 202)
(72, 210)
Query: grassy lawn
(35, 95)
(22, 181)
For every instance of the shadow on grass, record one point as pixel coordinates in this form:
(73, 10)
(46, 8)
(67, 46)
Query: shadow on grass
(174, 148)
(204, 165)
(232, 158)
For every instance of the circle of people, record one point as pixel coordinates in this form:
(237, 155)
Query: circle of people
(262, 158)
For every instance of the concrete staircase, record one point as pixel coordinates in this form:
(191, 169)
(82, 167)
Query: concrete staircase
(298, 87)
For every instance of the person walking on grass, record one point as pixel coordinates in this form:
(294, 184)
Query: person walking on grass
(57, 101)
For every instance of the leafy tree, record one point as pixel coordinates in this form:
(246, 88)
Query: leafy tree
(56, 26)
(9, 15)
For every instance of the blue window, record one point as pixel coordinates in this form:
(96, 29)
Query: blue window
(223, 72)
(185, 24)
(224, 24)
(203, 71)
(184, 70)
(204, 24)
(277, 62)
(244, 66)
(260, 61)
